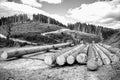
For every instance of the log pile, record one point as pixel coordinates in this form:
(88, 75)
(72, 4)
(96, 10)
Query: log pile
(92, 55)
(4, 55)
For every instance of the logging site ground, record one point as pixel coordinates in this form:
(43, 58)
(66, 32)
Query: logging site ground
(33, 67)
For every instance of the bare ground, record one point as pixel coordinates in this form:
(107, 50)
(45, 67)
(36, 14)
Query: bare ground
(32, 67)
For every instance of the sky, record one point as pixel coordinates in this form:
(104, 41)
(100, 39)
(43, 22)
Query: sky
(103, 13)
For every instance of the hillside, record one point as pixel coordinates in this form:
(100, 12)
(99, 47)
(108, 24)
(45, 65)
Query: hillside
(87, 37)
(101, 31)
(21, 28)
(31, 31)
(114, 40)
(31, 27)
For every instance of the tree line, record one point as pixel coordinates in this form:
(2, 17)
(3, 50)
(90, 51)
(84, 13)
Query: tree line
(22, 18)
(14, 19)
(44, 19)
(103, 32)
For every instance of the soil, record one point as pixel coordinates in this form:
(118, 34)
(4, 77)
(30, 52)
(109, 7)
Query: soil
(32, 67)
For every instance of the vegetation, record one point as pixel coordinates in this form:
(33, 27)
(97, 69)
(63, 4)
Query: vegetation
(103, 32)
(22, 27)
(23, 18)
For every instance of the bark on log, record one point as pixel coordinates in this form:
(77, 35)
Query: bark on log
(112, 57)
(62, 58)
(82, 57)
(98, 57)
(113, 50)
(103, 56)
(51, 59)
(91, 63)
(71, 59)
(24, 51)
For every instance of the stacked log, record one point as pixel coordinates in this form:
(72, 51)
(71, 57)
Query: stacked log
(61, 60)
(104, 57)
(51, 59)
(91, 62)
(98, 57)
(71, 58)
(113, 50)
(92, 55)
(111, 56)
(82, 57)
(24, 51)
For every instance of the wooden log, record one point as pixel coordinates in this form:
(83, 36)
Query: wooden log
(91, 62)
(82, 57)
(103, 56)
(98, 57)
(113, 50)
(62, 58)
(71, 59)
(111, 56)
(24, 51)
(51, 59)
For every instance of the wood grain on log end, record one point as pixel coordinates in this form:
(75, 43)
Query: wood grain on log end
(115, 59)
(70, 59)
(81, 58)
(4, 55)
(60, 60)
(48, 60)
(92, 64)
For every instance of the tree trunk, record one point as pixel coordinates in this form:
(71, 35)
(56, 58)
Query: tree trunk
(82, 57)
(91, 62)
(111, 56)
(24, 51)
(62, 58)
(71, 58)
(103, 56)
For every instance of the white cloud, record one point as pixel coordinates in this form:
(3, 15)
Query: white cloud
(33, 3)
(52, 1)
(4, 11)
(102, 13)
(11, 8)
(21, 8)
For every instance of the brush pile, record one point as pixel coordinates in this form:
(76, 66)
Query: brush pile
(92, 55)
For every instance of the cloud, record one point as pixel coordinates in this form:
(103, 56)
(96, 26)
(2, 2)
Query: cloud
(33, 3)
(11, 8)
(4, 11)
(99, 13)
(21, 8)
(52, 1)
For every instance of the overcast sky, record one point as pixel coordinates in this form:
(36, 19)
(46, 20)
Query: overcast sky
(104, 13)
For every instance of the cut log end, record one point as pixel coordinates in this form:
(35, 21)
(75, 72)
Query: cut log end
(115, 59)
(60, 60)
(4, 55)
(48, 60)
(92, 65)
(81, 58)
(70, 59)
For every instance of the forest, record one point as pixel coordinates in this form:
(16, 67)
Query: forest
(101, 31)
